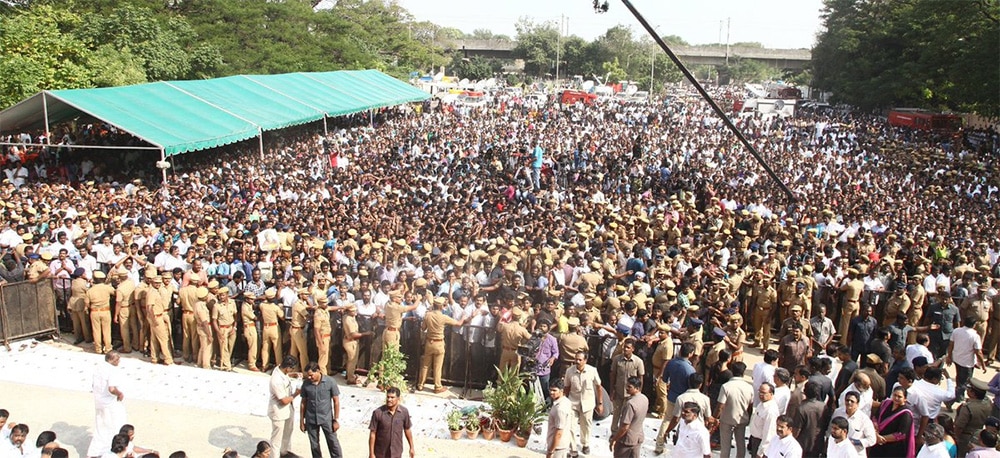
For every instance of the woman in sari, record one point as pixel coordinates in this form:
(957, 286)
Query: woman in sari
(894, 422)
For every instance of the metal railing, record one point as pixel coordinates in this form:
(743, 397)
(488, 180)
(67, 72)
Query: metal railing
(27, 310)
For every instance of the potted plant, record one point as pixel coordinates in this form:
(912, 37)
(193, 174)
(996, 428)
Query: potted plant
(527, 412)
(501, 397)
(472, 427)
(454, 420)
(486, 424)
(389, 370)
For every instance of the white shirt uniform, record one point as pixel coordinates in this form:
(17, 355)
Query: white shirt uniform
(786, 447)
(110, 412)
(692, 440)
(938, 450)
(842, 449)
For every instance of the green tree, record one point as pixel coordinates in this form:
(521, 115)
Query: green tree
(38, 51)
(614, 71)
(536, 44)
(916, 53)
(742, 70)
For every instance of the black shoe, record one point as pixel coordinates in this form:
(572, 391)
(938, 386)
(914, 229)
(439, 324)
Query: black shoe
(585, 450)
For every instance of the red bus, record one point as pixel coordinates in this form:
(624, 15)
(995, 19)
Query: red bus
(924, 120)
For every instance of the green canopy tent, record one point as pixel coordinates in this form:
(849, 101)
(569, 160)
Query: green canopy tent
(177, 117)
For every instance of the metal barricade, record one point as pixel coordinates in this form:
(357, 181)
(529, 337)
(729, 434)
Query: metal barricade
(27, 310)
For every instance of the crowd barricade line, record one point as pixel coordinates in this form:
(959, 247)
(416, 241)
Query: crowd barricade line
(27, 310)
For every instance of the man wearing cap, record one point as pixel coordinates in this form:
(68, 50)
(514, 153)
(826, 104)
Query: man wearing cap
(249, 321)
(156, 314)
(394, 310)
(300, 317)
(139, 308)
(571, 343)
(512, 335)
(795, 316)
(224, 322)
(351, 337)
(971, 416)
(661, 356)
(203, 322)
(322, 329)
(764, 297)
(898, 304)
(187, 296)
(98, 303)
(270, 342)
(852, 289)
(125, 316)
(77, 306)
(977, 305)
(433, 325)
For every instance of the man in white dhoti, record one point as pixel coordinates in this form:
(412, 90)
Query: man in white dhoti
(108, 405)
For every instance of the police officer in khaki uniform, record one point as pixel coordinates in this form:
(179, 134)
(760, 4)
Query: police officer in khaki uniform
(125, 316)
(434, 324)
(350, 341)
(98, 303)
(795, 317)
(512, 335)
(250, 330)
(270, 343)
(203, 321)
(167, 292)
(300, 317)
(661, 356)
(159, 326)
(979, 306)
(187, 296)
(624, 366)
(78, 307)
(570, 344)
(224, 322)
(321, 332)
(139, 300)
(852, 290)
(394, 311)
(898, 304)
(764, 297)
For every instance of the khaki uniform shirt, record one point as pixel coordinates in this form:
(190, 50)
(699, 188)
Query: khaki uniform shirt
(435, 322)
(224, 313)
(393, 314)
(35, 270)
(187, 296)
(99, 296)
(621, 369)
(852, 290)
(249, 319)
(201, 314)
(582, 387)
(976, 306)
(513, 334)
(123, 294)
(570, 344)
(321, 322)
(350, 328)
(269, 313)
(77, 294)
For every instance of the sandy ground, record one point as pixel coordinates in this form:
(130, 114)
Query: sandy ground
(203, 412)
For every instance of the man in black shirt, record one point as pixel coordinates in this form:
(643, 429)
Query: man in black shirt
(389, 423)
(317, 413)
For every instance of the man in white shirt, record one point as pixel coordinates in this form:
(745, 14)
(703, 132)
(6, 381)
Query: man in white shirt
(14, 447)
(934, 445)
(783, 445)
(110, 410)
(928, 393)
(861, 430)
(279, 405)
(862, 386)
(782, 392)
(763, 422)
(919, 349)
(764, 372)
(966, 351)
(692, 436)
(838, 446)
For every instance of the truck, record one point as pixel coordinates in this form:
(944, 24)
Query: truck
(571, 97)
(926, 120)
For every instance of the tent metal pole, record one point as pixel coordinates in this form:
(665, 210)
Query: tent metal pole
(45, 111)
(163, 157)
(325, 132)
(371, 118)
(260, 135)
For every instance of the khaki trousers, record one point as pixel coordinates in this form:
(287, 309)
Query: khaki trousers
(661, 396)
(848, 313)
(128, 327)
(227, 338)
(762, 327)
(433, 354)
(189, 341)
(581, 424)
(250, 333)
(159, 340)
(509, 358)
(81, 325)
(299, 348)
(351, 355)
(271, 341)
(101, 324)
(390, 337)
(323, 351)
(204, 349)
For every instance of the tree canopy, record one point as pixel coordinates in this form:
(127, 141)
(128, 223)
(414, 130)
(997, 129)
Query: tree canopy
(923, 53)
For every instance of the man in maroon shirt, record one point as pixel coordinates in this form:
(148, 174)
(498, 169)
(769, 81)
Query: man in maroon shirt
(388, 424)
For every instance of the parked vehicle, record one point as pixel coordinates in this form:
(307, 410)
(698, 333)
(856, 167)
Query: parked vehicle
(916, 118)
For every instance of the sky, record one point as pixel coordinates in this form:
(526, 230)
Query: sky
(773, 23)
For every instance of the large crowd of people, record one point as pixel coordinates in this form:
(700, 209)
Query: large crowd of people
(645, 224)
